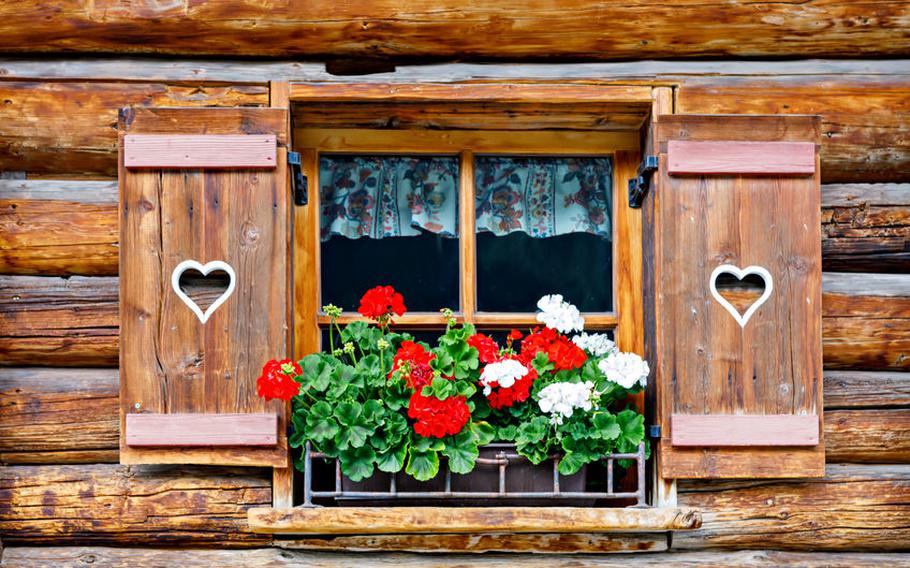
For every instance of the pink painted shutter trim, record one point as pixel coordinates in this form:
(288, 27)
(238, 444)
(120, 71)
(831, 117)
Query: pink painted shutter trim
(199, 151)
(187, 430)
(744, 430)
(733, 157)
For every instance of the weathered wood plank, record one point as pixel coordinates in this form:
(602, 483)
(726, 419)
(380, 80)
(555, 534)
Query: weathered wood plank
(858, 389)
(131, 505)
(71, 127)
(90, 557)
(866, 227)
(472, 30)
(59, 415)
(865, 120)
(467, 520)
(56, 227)
(49, 321)
(852, 508)
(866, 321)
(867, 435)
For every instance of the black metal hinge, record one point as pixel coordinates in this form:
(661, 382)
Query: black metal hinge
(639, 185)
(299, 188)
(654, 431)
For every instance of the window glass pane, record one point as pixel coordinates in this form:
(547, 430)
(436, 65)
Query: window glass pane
(543, 227)
(389, 220)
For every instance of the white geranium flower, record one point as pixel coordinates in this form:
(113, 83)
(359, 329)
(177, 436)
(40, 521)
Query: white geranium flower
(625, 369)
(558, 314)
(596, 344)
(501, 374)
(560, 400)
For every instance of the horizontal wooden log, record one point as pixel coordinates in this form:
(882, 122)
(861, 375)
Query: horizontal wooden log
(131, 505)
(74, 322)
(552, 543)
(59, 415)
(866, 389)
(91, 557)
(866, 227)
(579, 29)
(866, 321)
(71, 127)
(70, 416)
(867, 435)
(852, 508)
(55, 227)
(49, 321)
(865, 120)
(431, 520)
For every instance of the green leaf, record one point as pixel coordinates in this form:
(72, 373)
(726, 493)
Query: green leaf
(541, 363)
(483, 432)
(632, 425)
(422, 465)
(532, 431)
(392, 460)
(461, 449)
(317, 371)
(507, 433)
(353, 432)
(421, 444)
(606, 426)
(440, 388)
(571, 463)
(320, 425)
(357, 463)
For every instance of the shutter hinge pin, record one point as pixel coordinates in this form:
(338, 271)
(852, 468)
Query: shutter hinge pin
(639, 185)
(299, 188)
(654, 431)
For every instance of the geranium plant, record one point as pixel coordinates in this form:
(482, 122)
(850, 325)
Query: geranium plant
(378, 399)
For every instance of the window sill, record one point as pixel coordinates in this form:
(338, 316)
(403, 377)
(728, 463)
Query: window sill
(423, 520)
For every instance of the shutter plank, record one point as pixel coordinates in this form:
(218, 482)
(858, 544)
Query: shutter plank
(201, 430)
(199, 151)
(736, 157)
(744, 430)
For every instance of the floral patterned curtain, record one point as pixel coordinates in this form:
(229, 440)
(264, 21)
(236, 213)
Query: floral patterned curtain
(544, 197)
(393, 196)
(388, 196)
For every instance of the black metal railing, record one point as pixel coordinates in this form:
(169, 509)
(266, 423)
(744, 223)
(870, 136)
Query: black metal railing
(503, 458)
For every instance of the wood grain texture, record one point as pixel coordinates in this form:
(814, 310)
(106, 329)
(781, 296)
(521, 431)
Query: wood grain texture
(92, 556)
(132, 506)
(50, 321)
(170, 363)
(703, 361)
(405, 520)
(866, 227)
(71, 127)
(58, 227)
(193, 151)
(865, 120)
(687, 157)
(194, 430)
(552, 543)
(52, 415)
(853, 507)
(868, 329)
(694, 430)
(866, 389)
(475, 30)
(867, 435)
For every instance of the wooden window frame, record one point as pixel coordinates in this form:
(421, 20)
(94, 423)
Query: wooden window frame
(623, 143)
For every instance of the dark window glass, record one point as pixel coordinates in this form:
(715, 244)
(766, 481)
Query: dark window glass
(390, 220)
(543, 227)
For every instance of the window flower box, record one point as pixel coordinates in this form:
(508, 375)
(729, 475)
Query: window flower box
(468, 419)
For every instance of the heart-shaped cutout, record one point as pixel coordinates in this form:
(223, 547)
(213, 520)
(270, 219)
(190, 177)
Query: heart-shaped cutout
(205, 270)
(741, 274)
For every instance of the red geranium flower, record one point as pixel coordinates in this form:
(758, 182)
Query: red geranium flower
(416, 359)
(277, 380)
(563, 353)
(485, 346)
(518, 392)
(515, 335)
(381, 302)
(438, 418)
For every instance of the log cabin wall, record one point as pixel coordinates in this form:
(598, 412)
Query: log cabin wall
(64, 500)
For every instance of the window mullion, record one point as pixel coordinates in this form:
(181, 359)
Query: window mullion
(467, 240)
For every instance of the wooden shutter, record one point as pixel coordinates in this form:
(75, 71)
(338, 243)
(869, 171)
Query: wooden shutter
(739, 394)
(202, 186)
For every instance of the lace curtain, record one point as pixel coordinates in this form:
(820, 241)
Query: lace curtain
(391, 196)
